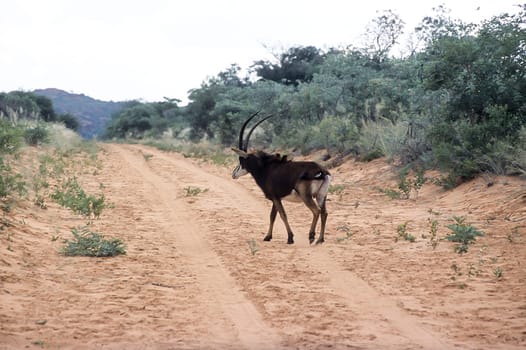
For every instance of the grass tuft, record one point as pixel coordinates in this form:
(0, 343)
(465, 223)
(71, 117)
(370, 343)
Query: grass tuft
(463, 234)
(88, 243)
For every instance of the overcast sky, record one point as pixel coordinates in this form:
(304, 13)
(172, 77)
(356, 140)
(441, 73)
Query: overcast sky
(130, 49)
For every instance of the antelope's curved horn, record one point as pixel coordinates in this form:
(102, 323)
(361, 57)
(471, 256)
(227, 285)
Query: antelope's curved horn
(252, 130)
(241, 132)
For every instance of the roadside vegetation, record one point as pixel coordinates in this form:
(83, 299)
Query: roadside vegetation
(42, 160)
(88, 243)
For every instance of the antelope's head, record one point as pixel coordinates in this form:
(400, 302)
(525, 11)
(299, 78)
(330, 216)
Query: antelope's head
(241, 169)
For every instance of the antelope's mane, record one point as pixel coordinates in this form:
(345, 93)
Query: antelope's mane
(271, 158)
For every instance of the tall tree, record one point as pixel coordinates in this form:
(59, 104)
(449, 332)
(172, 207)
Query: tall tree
(382, 34)
(296, 65)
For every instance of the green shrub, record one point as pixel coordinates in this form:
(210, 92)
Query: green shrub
(380, 138)
(10, 183)
(298, 136)
(72, 196)
(463, 234)
(402, 233)
(393, 194)
(191, 191)
(504, 158)
(69, 120)
(88, 243)
(336, 133)
(337, 189)
(371, 155)
(457, 161)
(465, 148)
(406, 185)
(11, 137)
(36, 136)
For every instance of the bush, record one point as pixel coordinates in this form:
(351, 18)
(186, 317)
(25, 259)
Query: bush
(36, 136)
(64, 139)
(87, 243)
(380, 138)
(72, 196)
(299, 136)
(10, 183)
(11, 137)
(466, 148)
(69, 120)
(337, 133)
(463, 234)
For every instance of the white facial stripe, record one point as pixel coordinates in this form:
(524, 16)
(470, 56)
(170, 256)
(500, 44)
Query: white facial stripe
(238, 172)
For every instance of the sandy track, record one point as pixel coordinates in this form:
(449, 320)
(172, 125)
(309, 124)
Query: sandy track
(235, 318)
(190, 279)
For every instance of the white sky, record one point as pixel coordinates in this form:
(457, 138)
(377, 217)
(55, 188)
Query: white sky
(130, 49)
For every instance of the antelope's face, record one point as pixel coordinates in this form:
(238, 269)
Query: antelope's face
(240, 170)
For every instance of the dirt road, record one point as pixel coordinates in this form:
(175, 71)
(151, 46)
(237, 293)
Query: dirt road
(197, 274)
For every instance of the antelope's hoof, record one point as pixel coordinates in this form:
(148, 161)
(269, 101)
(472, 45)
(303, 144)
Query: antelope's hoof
(290, 241)
(311, 240)
(267, 238)
(319, 241)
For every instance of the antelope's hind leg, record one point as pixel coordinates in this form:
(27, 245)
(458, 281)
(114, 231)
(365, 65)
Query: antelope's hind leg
(309, 202)
(305, 190)
(324, 215)
(321, 199)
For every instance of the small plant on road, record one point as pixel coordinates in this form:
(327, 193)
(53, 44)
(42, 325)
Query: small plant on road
(252, 244)
(433, 239)
(337, 189)
(191, 191)
(11, 183)
(406, 185)
(402, 233)
(88, 243)
(498, 273)
(462, 233)
(72, 196)
(348, 233)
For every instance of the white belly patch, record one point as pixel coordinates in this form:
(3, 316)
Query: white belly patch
(318, 190)
(293, 197)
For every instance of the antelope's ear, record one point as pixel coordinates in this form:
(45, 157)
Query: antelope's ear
(240, 153)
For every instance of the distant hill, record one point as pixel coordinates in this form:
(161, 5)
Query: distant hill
(93, 114)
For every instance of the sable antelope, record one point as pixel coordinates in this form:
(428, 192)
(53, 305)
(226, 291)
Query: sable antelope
(280, 178)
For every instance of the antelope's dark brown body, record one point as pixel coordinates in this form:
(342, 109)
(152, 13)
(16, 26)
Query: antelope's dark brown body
(280, 178)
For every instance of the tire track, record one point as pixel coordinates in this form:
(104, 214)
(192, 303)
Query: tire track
(220, 292)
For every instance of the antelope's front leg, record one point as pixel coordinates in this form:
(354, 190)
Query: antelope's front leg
(273, 213)
(281, 210)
